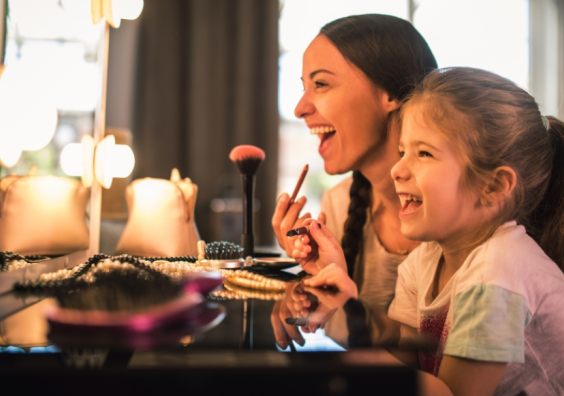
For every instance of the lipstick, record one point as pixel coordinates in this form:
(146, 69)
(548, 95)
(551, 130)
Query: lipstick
(297, 231)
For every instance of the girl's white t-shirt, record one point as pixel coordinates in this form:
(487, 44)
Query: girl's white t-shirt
(504, 304)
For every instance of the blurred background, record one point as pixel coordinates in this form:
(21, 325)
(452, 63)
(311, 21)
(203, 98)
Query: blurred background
(190, 79)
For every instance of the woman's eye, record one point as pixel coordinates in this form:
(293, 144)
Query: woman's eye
(320, 84)
(423, 153)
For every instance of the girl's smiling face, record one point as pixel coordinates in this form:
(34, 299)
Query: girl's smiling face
(343, 107)
(427, 179)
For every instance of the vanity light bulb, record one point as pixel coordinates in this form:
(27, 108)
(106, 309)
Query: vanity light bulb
(38, 128)
(122, 160)
(112, 160)
(71, 159)
(128, 9)
(9, 154)
(77, 159)
(27, 112)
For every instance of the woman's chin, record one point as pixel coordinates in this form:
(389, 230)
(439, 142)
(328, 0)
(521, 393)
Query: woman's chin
(334, 168)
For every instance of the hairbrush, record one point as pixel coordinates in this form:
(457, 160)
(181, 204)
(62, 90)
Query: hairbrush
(247, 158)
(223, 250)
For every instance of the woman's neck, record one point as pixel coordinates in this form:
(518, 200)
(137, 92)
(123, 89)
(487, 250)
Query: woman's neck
(377, 171)
(385, 203)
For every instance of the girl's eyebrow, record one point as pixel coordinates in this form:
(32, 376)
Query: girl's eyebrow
(423, 143)
(317, 71)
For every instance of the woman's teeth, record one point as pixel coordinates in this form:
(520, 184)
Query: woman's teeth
(408, 199)
(321, 130)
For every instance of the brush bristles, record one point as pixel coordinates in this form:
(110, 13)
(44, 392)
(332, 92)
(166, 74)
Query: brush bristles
(247, 158)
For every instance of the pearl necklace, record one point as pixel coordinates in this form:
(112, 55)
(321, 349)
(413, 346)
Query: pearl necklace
(10, 261)
(173, 268)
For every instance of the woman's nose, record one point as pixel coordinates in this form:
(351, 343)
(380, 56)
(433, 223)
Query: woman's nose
(399, 170)
(304, 107)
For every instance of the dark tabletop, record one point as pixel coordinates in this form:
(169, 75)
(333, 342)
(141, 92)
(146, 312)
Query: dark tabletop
(208, 344)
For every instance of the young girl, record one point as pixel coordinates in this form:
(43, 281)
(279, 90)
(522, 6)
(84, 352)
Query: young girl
(481, 181)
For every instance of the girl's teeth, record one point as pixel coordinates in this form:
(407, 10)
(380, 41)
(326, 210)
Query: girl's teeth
(405, 200)
(321, 130)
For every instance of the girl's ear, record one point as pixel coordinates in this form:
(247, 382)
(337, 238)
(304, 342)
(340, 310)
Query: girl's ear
(500, 186)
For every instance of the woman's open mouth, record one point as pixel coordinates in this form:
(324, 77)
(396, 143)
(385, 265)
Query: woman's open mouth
(325, 134)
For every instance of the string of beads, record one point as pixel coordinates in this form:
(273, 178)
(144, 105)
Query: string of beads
(90, 272)
(10, 261)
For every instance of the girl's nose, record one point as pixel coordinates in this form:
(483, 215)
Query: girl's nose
(399, 171)
(304, 107)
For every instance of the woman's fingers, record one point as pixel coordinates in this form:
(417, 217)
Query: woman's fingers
(280, 334)
(285, 217)
(322, 218)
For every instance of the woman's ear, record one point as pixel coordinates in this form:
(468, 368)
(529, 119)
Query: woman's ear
(500, 186)
(390, 104)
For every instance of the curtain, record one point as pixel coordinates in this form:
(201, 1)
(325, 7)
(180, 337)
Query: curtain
(206, 81)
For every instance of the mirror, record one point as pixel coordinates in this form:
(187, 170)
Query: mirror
(51, 94)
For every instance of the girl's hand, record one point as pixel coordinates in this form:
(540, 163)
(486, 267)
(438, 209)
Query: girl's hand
(286, 217)
(317, 249)
(334, 276)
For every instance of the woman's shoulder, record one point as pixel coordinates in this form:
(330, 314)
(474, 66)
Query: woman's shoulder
(334, 204)
(339, 190)
(336, 199)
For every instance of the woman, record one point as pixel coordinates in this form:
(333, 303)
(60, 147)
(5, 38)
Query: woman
(355, 73)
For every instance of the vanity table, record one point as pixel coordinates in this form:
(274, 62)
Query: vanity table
(222, 345)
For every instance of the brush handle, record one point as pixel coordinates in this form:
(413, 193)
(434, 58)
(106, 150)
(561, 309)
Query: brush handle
(247, 238)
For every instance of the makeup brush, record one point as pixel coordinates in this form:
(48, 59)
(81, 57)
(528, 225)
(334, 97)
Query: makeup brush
(247, 158)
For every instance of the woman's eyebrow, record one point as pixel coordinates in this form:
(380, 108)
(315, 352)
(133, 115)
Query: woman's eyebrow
(313, 73)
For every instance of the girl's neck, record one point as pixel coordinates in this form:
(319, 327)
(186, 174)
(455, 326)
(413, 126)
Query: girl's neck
(457, 248)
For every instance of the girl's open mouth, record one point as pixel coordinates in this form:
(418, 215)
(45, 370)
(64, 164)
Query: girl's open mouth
(409, 203)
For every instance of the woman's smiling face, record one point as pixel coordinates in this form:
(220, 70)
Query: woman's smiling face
(343, 107)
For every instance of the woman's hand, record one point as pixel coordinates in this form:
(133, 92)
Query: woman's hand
(286, 217)
(284, 333)
(317, 249)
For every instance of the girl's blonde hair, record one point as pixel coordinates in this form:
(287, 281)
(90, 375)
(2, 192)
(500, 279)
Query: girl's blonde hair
(493, 123)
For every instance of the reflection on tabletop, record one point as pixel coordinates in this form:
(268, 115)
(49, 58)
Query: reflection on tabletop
(123, 310)
(139, 308)
(350, 323)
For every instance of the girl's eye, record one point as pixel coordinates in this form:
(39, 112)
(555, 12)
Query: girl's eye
(423, 153)
(401, 153)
